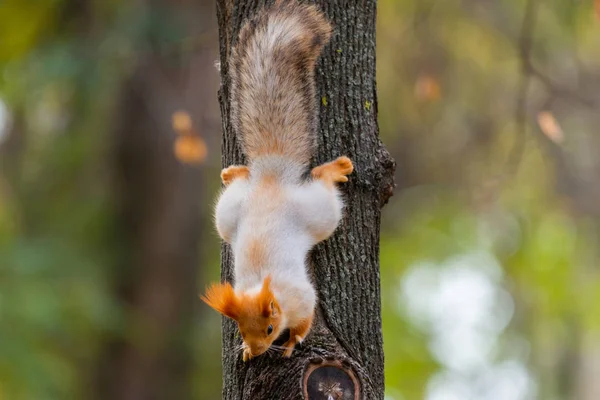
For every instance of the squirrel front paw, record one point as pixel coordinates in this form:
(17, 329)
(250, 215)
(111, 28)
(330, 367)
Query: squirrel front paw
(334, 171)
(290, 344)
(229, 174)
(247, 355)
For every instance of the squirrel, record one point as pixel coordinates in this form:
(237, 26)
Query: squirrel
(269, 212)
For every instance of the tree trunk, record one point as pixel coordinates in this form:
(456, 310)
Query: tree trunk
(344, 351)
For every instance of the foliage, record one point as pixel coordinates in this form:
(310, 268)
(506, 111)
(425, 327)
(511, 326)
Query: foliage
(451, 74)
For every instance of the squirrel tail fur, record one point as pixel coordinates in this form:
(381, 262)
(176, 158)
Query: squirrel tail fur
(272, 66)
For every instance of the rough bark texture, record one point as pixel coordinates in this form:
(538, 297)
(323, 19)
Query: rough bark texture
(346, 266)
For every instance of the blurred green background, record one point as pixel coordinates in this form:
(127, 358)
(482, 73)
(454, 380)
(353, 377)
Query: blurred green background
(109, 152)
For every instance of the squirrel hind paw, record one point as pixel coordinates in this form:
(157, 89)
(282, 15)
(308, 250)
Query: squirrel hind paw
(334, 171)
(344, 165)
(229, 174)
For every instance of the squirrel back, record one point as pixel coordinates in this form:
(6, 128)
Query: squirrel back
(272, 65)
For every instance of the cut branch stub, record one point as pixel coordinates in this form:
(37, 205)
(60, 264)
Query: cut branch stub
(330, 380)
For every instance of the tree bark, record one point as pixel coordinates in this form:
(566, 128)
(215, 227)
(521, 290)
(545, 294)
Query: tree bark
(346, 337)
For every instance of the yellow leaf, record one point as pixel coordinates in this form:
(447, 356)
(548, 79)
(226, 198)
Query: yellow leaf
(182, 122)
(190, 149)
(550, 127)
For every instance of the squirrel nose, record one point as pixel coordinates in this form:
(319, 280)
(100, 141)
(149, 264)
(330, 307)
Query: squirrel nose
(258, 350)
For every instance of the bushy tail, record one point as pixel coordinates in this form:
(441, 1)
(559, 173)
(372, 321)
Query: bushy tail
(272, 65)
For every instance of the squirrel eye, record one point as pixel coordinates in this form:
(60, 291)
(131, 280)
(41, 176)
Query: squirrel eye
(270, 329)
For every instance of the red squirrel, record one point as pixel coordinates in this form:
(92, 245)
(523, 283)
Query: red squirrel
(270, 214)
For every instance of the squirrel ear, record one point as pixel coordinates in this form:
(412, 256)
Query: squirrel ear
(222, 298)
(266, 297)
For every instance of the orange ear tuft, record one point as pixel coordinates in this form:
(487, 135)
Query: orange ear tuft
(267, 284)
(222, 298)
(266, 297)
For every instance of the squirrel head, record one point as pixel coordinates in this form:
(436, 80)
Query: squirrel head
(258, 315)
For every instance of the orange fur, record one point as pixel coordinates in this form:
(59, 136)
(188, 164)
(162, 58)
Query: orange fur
(297, 335)
(258, 312)
(234, 172)
(269, 187)
(222, 298)
(334, 171)
(257, 253)
(268, 181)
(266, 297)
(269, 194)
(253, 313)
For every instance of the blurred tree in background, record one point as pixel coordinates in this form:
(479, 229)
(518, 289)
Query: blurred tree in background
(103, 227)
(490, 264)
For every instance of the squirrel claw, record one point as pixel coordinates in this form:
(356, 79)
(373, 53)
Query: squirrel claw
(344, 165)
(288, 352)
(290, 344)
(246, 356)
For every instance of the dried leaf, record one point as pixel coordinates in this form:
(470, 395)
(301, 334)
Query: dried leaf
(190, 149)
(427, 88)
(182, 122)
(550, 127)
